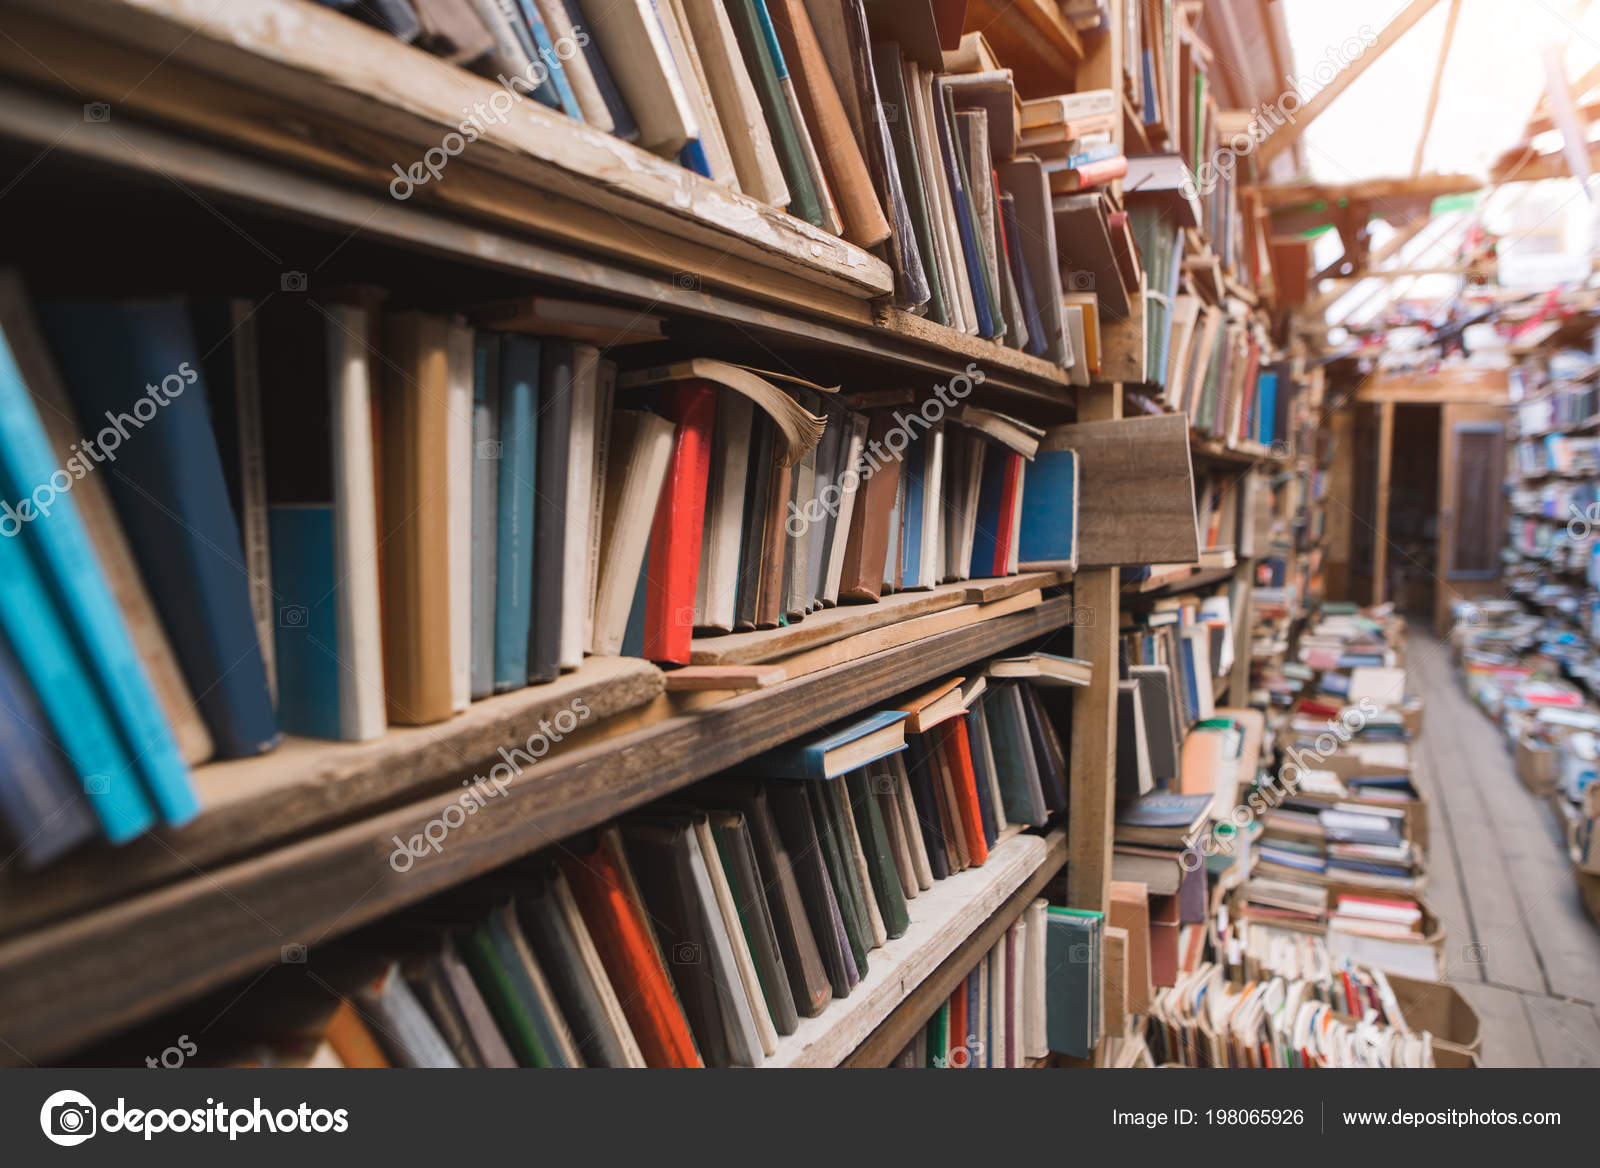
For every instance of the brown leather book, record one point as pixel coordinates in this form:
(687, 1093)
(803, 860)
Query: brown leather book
(414, 520)
(769, 603)
(846, 167)
(864, 552)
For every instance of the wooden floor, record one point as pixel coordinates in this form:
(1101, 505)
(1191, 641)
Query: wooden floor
(1519, 944)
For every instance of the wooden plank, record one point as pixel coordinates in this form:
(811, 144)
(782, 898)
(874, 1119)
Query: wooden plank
(307, 784)
(1031, 38)
(1380, 541)
(1377, 190)
(65, 984)
(311, 59)
(1116, 978)
(1433, 90)
(723, 678)
(1567, 1033)
(1092, 794)
(1122, 345)
(1507, 1033)
(846, 620)
(946, 920)
(1132, 467)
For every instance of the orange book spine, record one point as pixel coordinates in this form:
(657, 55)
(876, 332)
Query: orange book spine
(351, 1040)
(631, 960)
(958, 750)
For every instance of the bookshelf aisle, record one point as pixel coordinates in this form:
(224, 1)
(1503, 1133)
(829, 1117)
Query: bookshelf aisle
(702, 533)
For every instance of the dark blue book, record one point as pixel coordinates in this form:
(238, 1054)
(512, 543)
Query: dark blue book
(172, 497)
(919, 776)
(982, 761)
(989, 529)
(550, 513)
(520, 361)
(1048, 534)
(963, 215)
(623, 124)
(835, 752)
(42, 808)
(913, 479)
(1019, 275)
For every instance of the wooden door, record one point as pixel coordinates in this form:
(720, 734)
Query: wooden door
(1472, 471)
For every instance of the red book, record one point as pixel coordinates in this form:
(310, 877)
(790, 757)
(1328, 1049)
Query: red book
(1090, 174)
(673, 570)
(958, 753)
(959, 1057)
(603, 885)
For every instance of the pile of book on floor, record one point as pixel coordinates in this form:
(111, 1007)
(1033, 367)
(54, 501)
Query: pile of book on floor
(314, 516)
(1281, 999)
(1536, 678)
(1336, 843)
(704, 928)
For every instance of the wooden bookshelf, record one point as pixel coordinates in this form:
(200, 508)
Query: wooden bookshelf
(947, 926)
(88, 975)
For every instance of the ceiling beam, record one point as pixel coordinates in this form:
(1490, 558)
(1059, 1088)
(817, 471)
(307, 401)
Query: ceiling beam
(1433, 92)
(1286, 137)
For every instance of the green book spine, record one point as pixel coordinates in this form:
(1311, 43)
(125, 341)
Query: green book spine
(897, 111)
(850, 907)
(762, 57)
(494, 983)
(938, 1033)
(886, 887)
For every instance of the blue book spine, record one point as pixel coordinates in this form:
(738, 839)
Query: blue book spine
(911, 474)
(515, 13)
(485, 514)
(969, 238)
(991, 496)
(1093, 154)
(545, 54)
(1049, 509)
(519, 434)
(60, 548)
(40, 801)
(633, 634)
(172, 496)
(1267, 408)
(693, 157)
(305, 583)
(83, 728)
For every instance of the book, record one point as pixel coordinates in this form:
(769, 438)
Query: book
(733, 93)
(172, 499)
(764, 64)
(1162, 818)
(519, 368)
(708, 154)
(574, 68)
(486, 457)
(1043, 669)
(408, 1036)
(634, 44)
(56, 412)
(316, 416)
(836, 752)
(675, 535)
(1134, 776)
(641, 452)
(1049, 527)
(741, 870)
(42, 809)
(797, 828)
(582, 436)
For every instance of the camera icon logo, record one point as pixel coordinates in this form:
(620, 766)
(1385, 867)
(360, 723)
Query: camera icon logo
(67, 1118)
(294, 616)
(293, 954)
(292, 281)
(686, 953)
(1080, 281)
(97, 111)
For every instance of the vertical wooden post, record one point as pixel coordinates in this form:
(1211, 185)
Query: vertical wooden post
(1380, 544)
(1239, 683)
(1094, 713)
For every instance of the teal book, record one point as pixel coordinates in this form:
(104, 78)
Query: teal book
(485, 515)
(1072, 958)
(1021, 796)
(59, 546)
(519, 435)
(303, 567)
(482, 952)
(545, 54)
(886, 887)
(758, 45)
(835, 752)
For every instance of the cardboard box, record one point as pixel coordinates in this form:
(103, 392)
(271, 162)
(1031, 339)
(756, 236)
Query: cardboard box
(1441, 1010)
(1538, 765)
(1415, 957)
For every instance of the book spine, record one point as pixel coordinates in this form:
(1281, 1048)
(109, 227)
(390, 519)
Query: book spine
(675, 536)
(519, 432)
(487, 453)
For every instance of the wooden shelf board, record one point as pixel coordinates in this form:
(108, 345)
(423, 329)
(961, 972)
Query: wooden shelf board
(66, 983)
(1195, 578)
(942, 919)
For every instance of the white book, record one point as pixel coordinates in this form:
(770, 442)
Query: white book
(744, 1041)
(999, 979)
(580, 496)
(977, 1043)
(458, 480)
(918, 94)
(1036, 1042)
(605, 393)
(849, 488)
(749, 982)
(1016, 970)
(686, 54)
(947, 226)
(355, 528)
(931, 565)
(1078, 374)
(737, 104)
(508, 57)
(641, 449)
(634, 44)
(590, 101)
(977, 451)
(717, 589)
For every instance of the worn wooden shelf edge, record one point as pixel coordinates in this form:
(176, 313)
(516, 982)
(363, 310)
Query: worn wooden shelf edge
(920, 1002)
(67, 983)
(851, 326)
(943, 919)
